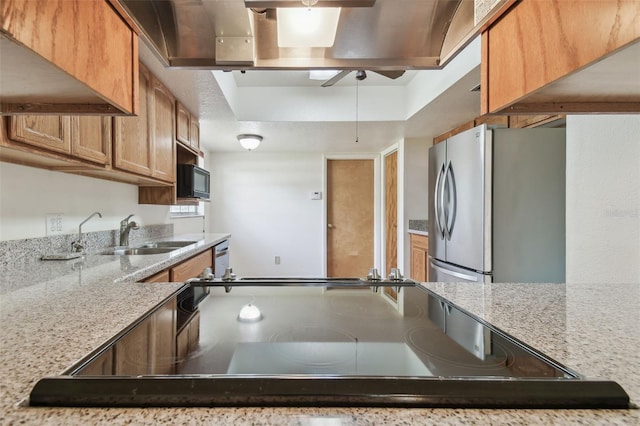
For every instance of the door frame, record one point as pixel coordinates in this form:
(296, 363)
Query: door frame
(377, 215)
(400, 237)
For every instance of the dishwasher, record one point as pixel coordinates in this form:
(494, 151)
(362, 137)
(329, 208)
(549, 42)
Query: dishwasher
(220, 258)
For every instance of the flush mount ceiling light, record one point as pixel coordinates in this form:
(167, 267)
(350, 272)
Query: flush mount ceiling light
(307, 27)
(249, 142)
(309, 3)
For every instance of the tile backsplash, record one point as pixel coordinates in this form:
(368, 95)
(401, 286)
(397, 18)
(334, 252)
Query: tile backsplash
(16, 251)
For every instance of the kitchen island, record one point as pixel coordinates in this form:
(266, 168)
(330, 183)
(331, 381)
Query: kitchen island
(50, 323)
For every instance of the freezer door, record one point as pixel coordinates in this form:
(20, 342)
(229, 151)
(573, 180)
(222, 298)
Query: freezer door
(437, 157)
(467, 199)
(446, 273)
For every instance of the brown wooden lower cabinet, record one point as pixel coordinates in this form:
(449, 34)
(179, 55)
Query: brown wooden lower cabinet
(192, 267)
(160, 277)
(419, 257)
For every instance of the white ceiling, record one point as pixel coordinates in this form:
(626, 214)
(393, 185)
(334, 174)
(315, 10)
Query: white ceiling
(434, 102)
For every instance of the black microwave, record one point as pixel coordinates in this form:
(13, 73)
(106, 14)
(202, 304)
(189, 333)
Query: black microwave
(193, 182)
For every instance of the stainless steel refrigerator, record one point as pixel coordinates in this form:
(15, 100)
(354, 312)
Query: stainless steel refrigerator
(497, 206)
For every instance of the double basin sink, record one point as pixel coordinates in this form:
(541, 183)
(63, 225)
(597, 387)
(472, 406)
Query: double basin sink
(149, 248)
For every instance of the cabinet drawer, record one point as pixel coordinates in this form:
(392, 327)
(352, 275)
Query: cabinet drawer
(192, 267)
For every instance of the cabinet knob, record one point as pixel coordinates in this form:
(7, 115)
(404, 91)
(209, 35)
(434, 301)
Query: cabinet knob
(329, 226)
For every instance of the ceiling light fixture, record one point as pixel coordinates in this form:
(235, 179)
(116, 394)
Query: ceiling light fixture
(249, 142)
(309, 3)
(307, 27)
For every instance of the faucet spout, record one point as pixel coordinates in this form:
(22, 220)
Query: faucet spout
(78, 245)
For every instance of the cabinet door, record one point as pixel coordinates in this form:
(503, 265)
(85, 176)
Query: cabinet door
(164, 147)
(82, 56)
(419, 257)
(45, 131)
(91, 138)
(182, 124)
(418, 265)
(194, 133)
(160, 277)
(132, 139)
(192, 267)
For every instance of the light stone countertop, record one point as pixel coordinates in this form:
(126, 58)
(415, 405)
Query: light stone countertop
(50, 323)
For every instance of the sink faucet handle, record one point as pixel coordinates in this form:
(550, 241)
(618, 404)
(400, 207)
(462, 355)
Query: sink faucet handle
(126, 219)
(77, 246)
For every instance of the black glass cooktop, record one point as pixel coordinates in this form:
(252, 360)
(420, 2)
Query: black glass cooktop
(320, 342)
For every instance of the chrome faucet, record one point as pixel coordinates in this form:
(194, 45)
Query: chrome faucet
(125, 227)
(78, 245)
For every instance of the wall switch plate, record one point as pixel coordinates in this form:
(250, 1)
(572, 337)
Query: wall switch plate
(316, 195)
(277, 260)
(54, 223)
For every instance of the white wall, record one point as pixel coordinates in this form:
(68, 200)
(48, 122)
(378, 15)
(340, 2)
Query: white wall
(263, 200)
(27, 194)
(416, 189)
(603, 199)
(416, 169)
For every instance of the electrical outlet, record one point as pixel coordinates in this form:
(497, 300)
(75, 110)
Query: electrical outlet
(54, 223)
(277, 260)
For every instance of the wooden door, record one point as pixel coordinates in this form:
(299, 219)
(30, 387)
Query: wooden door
(91, 138)
(132, 138)
(350, 220)
(391, 216)
(51, 132)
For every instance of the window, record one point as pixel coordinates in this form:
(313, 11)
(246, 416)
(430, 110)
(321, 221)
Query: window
(186, 211)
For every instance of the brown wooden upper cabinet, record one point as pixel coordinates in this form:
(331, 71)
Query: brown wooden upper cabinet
(53, 61)
(562, 56)
(131, 135)
(81, 137)
(162, 126)
(187, 129)
(145, 144)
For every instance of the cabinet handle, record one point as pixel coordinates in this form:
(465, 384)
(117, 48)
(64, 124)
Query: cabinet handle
(329, 226)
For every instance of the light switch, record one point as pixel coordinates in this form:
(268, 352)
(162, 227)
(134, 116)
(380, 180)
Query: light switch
(316, 195)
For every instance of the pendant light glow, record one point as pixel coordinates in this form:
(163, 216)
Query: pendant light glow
(307, 27)
(249, 313)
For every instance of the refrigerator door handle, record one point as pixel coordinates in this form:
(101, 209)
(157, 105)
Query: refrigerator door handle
(454, 273)
(452, 207)
(437, 202)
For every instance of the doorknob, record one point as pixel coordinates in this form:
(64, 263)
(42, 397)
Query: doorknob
(329, 226)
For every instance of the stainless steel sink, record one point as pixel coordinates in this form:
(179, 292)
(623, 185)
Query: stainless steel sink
(172, 244)
(139, 250)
